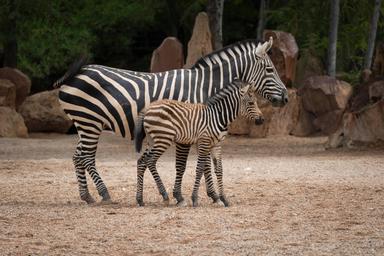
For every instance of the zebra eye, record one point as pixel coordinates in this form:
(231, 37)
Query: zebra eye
(269, 69)
(251, 103)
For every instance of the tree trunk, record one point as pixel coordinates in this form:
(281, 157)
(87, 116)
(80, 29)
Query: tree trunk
(215, 14)
(173, 18)
(334, 15)
(372, 35)
(10, 44)
(261, 23)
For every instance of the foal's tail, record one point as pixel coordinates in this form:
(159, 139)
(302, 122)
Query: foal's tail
(139, 132)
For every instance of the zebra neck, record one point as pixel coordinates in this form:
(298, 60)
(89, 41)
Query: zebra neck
(224, 110)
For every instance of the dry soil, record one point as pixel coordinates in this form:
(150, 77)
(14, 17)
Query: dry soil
(289, 196)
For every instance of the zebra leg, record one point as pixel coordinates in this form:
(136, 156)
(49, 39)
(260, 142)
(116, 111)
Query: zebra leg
(81, 177)
(203, 166)
(182, 152)
(89, 137)
(141, 167)
(154, 154)
(216, 158)
(195, 193)
(209, 182)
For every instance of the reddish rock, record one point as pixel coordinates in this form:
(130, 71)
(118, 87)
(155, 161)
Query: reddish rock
(329, 122)
(284, 54)
(365, 75)
(376, 91)
(378, 60)
(304, 125)
(284, 119)
(20, 80)
(7, 93)
(11, 123)
(307, 65)
(277, 121)
(168, 56)
(322, 94)
(366, 125)
(42, 113)
(200, 43)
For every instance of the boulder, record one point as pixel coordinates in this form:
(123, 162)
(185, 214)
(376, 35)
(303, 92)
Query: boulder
(307, 65)
(322, 94)
(304, 125)
(284, 119)
(363, 94)
(277, 121)
(284, 54)
(366, 125)
(12, 123)
(376, 91)
(328, 122)
(169, 55)
(200, 43)
(20, 80)
(42, 113)
(378, 60)
(7, 93)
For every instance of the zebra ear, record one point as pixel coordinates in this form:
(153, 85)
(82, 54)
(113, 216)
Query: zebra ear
(244, 89)
(262, 49)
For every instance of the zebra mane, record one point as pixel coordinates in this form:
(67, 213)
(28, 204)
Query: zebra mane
(222, 93)
(203, 60)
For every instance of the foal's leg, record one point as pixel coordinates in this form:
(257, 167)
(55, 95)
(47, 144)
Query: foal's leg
(182, 152)
(216, 157)
(155, 152)
(141, 167)
(203, 167)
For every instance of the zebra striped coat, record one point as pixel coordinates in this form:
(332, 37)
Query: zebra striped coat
(100, 98)
(167, 121)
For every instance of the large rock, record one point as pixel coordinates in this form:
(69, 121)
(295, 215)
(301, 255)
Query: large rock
(378, 60)
(42, 113)
(322, 94)
(304, 125)
(284, 54)
(169, 55)
(200, 43)
(20, 80)
(366, 125)
(308, 65)
(376, 91)
(328, 123)
(11, 123)
(7, 93)
(277, 121)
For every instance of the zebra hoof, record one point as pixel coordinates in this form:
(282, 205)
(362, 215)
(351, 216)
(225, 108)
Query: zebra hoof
(140, 204)
(166, 202)
(107, 202)
(182, 203)
(88, 199)
(218, 203)
(224, 200)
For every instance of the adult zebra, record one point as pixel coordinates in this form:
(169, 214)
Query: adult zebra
(100, 98)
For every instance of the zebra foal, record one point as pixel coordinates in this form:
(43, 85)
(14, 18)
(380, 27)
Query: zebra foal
(168, 121)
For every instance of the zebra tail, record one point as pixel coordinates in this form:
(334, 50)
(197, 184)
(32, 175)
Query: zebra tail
(139, 132)
(72, 71)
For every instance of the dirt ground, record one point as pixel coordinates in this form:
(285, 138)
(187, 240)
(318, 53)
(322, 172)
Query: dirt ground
(288, 196)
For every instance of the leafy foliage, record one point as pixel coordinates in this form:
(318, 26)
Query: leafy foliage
(123, 33)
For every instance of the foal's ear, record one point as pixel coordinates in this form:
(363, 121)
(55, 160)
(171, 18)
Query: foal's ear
(244, 89)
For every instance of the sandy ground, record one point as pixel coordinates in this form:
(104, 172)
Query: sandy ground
(288, 196)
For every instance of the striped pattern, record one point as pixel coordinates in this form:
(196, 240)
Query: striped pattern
(101, 98)
(168, 121)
